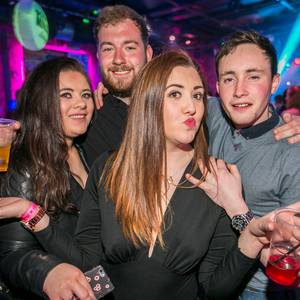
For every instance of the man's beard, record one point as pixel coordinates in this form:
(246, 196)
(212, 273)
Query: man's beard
(118, 88)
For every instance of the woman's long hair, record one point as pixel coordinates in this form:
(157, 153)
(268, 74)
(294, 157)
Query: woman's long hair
(40, 151)
(132, 177)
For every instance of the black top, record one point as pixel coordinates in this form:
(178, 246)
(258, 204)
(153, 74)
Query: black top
(200, 248)
(24, 263)
(106, 131)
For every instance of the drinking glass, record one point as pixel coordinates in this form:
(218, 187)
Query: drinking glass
(284, 261)
(6, 138)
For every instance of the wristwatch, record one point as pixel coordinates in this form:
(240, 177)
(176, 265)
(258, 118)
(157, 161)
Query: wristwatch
(240, 222)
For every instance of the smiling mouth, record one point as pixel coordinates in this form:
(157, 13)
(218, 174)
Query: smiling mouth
(120, 73)
(120, 70)
(77, 116)
(241, 105)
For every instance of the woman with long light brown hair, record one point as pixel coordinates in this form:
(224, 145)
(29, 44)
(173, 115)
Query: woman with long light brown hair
(157, 236)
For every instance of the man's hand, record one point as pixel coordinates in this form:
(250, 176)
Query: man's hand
(290, 130)
(256, 236)
(66, 282)
(99, 93)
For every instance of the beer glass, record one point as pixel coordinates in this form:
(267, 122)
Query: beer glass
(6, 138)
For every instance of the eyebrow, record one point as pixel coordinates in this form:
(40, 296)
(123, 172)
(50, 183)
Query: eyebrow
(72, 90)
(181, 86)
(247, 71)
(125, 42)
(66, 89)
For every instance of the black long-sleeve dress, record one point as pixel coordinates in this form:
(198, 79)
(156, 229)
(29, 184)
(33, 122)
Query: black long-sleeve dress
(200, 254)
(24, 263)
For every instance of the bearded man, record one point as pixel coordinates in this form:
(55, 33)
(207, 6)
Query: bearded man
(122, 50)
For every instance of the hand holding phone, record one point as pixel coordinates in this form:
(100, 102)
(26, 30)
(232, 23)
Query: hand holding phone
(99, 281)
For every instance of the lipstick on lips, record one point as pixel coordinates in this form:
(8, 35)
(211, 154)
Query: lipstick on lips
(190, 122)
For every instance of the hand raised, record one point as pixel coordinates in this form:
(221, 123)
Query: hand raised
(99, 93)
(8, 134)
(208, 182)
(223, 185)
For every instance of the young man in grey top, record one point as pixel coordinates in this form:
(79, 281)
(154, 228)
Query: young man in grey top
(241, 132)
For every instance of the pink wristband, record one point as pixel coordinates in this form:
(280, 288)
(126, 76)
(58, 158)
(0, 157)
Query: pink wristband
(30, 212)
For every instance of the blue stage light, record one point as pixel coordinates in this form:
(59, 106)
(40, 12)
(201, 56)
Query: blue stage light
(11, 105)
(290, 46)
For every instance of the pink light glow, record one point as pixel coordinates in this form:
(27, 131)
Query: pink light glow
(297, 61)
(64, 48)
(16, 63)
(16, 66)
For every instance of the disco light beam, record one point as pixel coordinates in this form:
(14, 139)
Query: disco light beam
(291, 45)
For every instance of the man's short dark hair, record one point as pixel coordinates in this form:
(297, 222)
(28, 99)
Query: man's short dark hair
(112, 15)
(248, 37)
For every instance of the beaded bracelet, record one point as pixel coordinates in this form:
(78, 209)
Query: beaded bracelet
(30, 212)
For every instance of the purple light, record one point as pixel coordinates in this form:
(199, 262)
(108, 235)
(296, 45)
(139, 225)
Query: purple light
(64, 48)
(16, 66)
(16, 63)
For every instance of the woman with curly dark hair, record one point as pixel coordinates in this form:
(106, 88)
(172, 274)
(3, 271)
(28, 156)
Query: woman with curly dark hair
(55, 106)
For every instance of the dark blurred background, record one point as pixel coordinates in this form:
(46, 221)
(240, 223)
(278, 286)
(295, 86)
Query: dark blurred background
(197, 26)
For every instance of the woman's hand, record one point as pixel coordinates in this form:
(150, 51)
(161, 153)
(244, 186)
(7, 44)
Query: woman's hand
(66, 282)
(223, 185)
(13, 207)
(7, 135)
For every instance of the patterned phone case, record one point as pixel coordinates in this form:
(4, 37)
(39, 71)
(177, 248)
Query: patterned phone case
(99, 281)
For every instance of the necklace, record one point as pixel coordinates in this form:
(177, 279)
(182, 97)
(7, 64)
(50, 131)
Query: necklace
(171, 181)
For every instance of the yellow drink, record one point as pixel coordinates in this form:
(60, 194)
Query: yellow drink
(4, 158)
(6, 138)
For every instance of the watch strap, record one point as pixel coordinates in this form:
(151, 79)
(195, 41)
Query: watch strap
(240, 222)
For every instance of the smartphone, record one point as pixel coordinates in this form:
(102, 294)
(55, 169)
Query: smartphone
(99, 281)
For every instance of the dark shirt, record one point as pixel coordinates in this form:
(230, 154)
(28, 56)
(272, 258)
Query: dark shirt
(107, 128)
(200, 251)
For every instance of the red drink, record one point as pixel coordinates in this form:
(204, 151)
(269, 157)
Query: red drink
(283, 271)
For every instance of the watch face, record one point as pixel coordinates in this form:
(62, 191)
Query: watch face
(239, 222)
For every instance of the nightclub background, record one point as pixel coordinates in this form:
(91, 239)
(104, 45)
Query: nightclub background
(196, 26)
